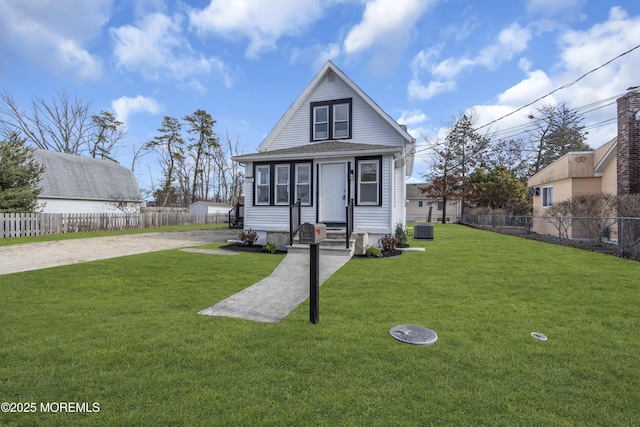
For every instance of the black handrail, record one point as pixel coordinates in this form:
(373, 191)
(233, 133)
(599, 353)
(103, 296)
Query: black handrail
(349, 222)
(294, 220)
(236, 216)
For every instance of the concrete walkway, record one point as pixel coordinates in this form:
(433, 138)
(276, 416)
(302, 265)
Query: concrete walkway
(273, 298)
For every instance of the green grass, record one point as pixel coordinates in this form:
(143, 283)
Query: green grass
(69, 236)
(125, 333)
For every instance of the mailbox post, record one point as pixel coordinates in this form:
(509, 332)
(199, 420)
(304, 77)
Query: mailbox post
(313, 234)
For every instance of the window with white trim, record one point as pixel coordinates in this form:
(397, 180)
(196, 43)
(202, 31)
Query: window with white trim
(368, 182)
(321, 122)
(547, 197)
(440, 205)
(341, 121)
(282, 184)
(303, 183)
(420, 203)
(331, 119)
(263, 185)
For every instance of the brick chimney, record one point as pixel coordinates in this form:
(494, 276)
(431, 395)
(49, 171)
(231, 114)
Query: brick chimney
(629, 142)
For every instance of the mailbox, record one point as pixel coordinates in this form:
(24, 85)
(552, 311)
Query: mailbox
(312, 234)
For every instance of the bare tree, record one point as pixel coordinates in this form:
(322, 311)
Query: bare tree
(64, 124)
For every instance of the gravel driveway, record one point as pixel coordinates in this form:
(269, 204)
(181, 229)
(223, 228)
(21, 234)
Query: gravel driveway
(34, 256)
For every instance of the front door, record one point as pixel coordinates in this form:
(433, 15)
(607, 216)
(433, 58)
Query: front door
(333, 192)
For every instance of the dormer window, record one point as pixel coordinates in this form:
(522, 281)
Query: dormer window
(331, 120)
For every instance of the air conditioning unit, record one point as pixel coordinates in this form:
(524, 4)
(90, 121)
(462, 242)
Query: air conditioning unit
(423, 231)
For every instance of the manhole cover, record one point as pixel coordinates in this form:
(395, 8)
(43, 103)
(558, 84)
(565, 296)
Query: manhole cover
(411, 334)
(539, 336)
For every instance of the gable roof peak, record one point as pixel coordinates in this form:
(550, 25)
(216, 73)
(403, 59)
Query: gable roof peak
(328, 69)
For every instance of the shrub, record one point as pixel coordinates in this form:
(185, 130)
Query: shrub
(401, 234)
(388, 243)
(248, 237)
(373, 252)
(270, 247)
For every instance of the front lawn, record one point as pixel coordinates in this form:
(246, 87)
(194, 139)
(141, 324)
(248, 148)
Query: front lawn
(125, 333)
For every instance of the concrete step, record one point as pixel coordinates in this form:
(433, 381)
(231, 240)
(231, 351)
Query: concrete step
(297, 248)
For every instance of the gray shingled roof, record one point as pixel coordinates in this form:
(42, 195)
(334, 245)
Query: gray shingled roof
(69, 176)
(331, 147)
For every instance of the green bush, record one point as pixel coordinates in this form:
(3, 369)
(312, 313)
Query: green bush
(270, 247)
(401, 234)
(373, 252)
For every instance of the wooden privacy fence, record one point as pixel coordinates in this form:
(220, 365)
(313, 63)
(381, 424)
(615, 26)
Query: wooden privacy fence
(35, 224)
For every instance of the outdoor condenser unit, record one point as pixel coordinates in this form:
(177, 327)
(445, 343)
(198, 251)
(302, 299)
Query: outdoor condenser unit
(423, 231)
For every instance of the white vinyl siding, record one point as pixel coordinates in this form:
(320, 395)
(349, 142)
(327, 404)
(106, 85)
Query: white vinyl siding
(366, 125)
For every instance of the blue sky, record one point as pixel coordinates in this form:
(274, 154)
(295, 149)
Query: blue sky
(246, 61)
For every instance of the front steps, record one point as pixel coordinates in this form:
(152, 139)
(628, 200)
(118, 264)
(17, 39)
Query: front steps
(334, 244)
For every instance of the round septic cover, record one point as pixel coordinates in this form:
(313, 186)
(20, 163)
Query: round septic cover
(539, 336)
(411, 334)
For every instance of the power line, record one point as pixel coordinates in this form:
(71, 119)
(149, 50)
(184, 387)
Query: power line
(560, 88)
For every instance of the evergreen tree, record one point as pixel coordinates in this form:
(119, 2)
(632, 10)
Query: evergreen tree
(204, 141)
(19, 176)
(557, 132)
(170, 146)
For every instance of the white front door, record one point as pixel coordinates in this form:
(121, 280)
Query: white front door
(333, 192)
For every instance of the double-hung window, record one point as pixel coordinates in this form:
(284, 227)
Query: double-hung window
(547, 197)
(303, 183)
(282, 184)
(321, 122)
(369, 182)
(263, 185)
(331, 119)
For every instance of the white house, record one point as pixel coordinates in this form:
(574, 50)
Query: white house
(333, 147)
(205, 207)
(76, 184)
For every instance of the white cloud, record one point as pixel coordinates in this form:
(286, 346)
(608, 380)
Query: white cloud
(417, 90)
(156, 48)
(50, 33)
(386, 21)
(125, 106)
(511, 41)
(580, 52)
(412, 117)
(262, 22)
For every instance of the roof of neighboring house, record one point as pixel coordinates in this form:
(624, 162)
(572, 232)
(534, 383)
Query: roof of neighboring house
(413, 191)
(212, 204)
(68, 176)
(319, 149)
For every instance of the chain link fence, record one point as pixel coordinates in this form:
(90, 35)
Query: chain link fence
(620, 233)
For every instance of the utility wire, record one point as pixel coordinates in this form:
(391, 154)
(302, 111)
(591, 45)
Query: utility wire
(560, 88)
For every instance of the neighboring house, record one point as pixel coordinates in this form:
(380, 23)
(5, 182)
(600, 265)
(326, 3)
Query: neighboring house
(613, 168)
(419, 206)
(76, 184)
(332, 146)
(203, 207)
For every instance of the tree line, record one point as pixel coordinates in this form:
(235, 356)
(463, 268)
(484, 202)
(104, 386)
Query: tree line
(487, 173)
(195, 163)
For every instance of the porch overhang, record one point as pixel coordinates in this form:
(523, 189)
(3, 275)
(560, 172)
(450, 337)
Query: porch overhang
(321, 150)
